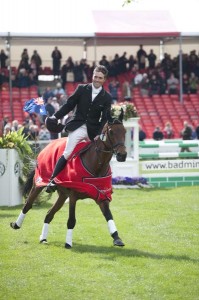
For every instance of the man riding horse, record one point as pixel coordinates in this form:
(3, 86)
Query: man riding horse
(89, 103)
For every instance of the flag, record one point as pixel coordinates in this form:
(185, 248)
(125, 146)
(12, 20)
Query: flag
(35, 105)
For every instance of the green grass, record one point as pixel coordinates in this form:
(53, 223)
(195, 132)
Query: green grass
(160, 259)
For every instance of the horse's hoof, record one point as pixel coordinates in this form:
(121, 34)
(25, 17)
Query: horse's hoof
(44, 241)
(14, 225)
(67, 246)
(118, 242)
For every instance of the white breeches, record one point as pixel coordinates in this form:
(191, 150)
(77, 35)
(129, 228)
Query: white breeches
(74, 137)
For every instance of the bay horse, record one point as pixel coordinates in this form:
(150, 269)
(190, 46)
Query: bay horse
(95, 159)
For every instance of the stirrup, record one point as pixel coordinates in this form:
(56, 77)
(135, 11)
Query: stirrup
(51, 187)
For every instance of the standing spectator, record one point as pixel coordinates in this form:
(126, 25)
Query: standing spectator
(166, 64)
(25, 56)
(3, 58)
(131, 62)
(123, 63)
(115, 66)
(56, 57)
(78, 73)
(168, 131)
(141, 57)
(37, 59)
(157, 134)
(151, 59)
(186, 134)
(104, 62)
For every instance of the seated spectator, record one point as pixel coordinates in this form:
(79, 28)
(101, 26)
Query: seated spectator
(113, 89)
(55, 104)
(142, 134)
(193, 83)
(168, 131)
(162, 82)
(34, 132)
(137, 79)
(48, 93)
(185, 84)
(7, 129)
(186, 134)
(44, 134)
(197, 132)
(172, 85)
(126, 91)
(23, 78)
(154, 85)
(15, 125)
(157, 134)
(144, 85)
(58, 91)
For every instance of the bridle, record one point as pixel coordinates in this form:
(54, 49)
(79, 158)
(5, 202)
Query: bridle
(113, 148)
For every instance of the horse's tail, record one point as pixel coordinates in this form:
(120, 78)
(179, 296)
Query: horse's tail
(29, 183)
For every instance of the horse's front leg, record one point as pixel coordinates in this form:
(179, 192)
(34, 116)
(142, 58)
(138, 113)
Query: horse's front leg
(50, 214)
(35, 191)
(104, 206)
(71, 220)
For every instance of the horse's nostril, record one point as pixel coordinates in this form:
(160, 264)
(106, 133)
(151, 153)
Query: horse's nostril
(121, 157)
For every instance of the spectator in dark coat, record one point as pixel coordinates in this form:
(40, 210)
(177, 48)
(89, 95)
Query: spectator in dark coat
(158, 134)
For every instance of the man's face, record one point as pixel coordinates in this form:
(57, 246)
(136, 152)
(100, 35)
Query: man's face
(98, 79)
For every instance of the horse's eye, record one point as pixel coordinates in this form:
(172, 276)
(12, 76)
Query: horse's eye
(110, 131)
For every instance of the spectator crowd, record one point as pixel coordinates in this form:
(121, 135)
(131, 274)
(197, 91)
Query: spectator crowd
(144, 71)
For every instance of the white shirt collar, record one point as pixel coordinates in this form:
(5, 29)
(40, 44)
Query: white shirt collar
(94, 90)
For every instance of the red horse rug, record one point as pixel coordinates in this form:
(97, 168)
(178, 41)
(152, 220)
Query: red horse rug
(74, 175)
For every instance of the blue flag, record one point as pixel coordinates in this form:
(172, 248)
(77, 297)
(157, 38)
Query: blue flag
(35, 105)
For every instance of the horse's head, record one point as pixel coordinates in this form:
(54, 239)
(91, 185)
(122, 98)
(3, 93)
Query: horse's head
(114, 136)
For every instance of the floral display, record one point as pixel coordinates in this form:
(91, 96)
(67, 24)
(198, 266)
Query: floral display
(129, 181)
(129, 109)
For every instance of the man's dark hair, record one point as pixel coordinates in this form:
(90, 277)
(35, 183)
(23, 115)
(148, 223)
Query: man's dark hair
(102, 69)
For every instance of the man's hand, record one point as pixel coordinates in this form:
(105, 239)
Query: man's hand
(53, 125)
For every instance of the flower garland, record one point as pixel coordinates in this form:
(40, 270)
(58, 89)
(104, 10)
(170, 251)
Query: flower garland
(129, 109)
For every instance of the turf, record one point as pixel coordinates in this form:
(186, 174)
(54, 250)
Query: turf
(159, 261)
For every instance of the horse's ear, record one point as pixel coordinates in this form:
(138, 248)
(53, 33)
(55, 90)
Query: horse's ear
(121, 116)
(109, 117)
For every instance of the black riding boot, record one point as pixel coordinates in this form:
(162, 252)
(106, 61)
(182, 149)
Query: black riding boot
(60, 165)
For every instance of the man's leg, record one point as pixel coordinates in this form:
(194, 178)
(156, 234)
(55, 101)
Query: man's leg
(74, 137)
